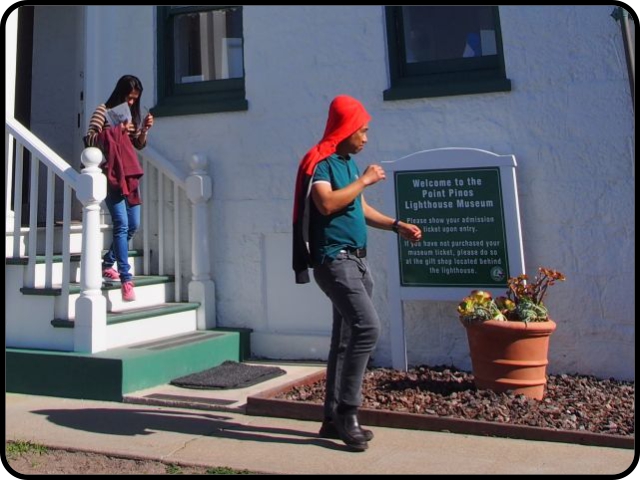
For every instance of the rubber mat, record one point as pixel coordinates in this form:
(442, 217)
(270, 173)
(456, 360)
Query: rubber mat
(228, 375)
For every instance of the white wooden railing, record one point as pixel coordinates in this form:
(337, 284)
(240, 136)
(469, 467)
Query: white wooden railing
(56, 167)
(174, 237)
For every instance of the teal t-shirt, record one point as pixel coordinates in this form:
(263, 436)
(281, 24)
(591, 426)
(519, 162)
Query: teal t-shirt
(344, 229)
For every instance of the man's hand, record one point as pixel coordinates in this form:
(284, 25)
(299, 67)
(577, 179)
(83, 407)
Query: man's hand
(373, 174)
(409, 231)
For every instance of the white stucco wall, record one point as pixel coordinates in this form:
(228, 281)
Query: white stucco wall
(119, 41)
(568, 121)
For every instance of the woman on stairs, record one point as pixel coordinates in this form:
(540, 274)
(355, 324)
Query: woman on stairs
(115, 128)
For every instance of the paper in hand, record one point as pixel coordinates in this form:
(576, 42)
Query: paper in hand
(119, 114)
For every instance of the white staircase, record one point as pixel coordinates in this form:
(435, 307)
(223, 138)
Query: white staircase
(154, 314)
(67, 333)
(55, 296)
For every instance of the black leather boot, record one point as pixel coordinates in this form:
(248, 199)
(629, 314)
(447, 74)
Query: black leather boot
(328, 430)
(349, 430)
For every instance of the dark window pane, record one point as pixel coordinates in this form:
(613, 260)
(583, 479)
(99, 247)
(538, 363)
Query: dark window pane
(444, 33)
(437, 51)
(200, 60)
(208, 46)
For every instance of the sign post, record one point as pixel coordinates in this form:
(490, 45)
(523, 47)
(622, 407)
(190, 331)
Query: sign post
(465, 201)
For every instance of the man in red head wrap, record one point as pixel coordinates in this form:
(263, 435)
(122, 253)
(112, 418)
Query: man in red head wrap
(330, 217)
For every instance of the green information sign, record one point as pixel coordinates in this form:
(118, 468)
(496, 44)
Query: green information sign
(460, 212)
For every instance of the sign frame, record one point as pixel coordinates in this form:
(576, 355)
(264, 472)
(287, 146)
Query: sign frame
(450, 158)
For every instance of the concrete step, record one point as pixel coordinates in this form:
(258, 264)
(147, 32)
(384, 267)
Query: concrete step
(150, 290)
(226, 400)
(135, 260)
(118, 371)
(152, 315)
(145, 323)
(75, 239)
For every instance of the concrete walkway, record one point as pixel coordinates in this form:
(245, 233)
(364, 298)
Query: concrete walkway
(227, 438)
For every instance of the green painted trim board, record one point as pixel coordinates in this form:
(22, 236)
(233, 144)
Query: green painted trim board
(112, 374)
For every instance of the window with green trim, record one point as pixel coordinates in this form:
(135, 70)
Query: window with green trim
(437, 51)
(200, 60)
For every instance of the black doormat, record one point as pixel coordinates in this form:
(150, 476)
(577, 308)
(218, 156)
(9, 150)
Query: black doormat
(228, 375)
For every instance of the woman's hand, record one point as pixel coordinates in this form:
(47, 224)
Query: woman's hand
(128, 127)
(147, 123)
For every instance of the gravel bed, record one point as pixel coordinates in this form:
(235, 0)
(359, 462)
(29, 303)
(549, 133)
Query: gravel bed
(571, 402)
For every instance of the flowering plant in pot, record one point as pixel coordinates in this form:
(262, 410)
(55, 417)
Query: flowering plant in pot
(509, 336)
(523, 301)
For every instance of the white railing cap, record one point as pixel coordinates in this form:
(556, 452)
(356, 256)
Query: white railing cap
(50, 158)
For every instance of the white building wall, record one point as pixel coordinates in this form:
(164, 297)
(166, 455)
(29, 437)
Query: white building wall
(568, 121)
(120, 40)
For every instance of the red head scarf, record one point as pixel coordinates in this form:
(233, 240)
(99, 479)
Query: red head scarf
(346, 116)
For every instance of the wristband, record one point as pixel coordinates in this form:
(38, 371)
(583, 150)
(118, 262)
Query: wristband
(394, 227)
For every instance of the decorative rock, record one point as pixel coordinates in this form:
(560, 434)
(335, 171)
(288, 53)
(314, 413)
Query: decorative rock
(572, 402)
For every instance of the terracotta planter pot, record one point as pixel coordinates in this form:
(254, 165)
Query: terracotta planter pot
(510, 355)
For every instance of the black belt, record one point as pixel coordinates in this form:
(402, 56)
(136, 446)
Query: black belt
(356, 252)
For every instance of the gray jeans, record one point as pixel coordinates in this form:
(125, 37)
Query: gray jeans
(348, 283)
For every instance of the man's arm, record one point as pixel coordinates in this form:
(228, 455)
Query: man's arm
(379, 220)
(329, 201)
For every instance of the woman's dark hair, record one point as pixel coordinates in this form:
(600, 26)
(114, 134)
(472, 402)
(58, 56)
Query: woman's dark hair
(126, 85)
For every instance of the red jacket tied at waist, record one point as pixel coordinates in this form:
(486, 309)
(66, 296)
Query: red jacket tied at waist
(121, 165)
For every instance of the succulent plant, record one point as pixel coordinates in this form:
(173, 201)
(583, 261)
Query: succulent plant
(523, 301)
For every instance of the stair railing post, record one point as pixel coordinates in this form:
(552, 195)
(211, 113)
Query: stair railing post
(11, 53)
(91, 308)
(201, 287)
